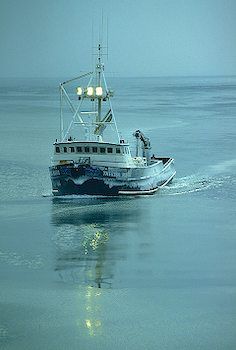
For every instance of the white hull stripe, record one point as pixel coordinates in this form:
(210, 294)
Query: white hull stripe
(146, 191)
(139, 192)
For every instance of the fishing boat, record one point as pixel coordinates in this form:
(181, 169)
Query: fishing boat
(91, 158)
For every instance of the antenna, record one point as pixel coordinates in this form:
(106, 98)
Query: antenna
(92, 57)
(107, 38)
(101, 28)
(102, 34)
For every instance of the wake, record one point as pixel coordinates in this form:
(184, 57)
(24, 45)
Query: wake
(213, 177)
(192, 183)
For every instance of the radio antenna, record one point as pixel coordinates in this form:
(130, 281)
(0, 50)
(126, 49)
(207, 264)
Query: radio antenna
(101, 28)
(92, 57)
(107, 39)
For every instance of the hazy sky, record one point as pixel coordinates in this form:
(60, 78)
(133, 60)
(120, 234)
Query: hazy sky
(40, 38)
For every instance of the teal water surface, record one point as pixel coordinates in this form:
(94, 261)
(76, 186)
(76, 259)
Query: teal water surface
(154, 272)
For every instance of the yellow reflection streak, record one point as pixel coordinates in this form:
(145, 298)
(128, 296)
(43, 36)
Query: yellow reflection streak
(94, 240)
(92, 307)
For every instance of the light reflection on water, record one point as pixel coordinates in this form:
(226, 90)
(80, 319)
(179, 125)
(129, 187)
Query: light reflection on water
(90, 239)
(91, 236)
(92, 310)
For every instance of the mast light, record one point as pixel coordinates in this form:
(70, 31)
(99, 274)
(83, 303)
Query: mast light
(79, 91)
(93, 91)
(99, 91)
(90, 91)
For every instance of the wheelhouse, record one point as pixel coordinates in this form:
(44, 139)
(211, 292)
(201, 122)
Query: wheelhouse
(92, 148)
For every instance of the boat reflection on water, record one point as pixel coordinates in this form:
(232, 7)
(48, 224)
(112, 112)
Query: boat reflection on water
(81, 254)
(90, 240)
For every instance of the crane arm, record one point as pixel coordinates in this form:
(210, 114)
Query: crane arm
(145, 140)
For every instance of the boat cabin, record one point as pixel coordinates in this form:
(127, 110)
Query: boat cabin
(95, 153)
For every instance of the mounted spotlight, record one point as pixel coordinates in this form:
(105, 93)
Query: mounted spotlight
(90, 91)
(79, 91)
(99, 91)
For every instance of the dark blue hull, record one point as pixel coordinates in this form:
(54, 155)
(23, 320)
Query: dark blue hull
(88, 180)
(89, 187)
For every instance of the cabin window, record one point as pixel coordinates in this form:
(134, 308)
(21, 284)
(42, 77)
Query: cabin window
(79, 149)
(118, 150)
(86, 149)
(57, 149)
(72, 149)
(65, 149)
(109, 150)
(102, 150)
(95, 149)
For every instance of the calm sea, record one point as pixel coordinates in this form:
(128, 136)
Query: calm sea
(149, 273)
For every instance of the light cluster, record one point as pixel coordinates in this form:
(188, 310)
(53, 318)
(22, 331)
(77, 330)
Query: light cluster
(93, 92)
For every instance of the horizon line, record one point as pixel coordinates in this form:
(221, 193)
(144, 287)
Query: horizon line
(129, 76)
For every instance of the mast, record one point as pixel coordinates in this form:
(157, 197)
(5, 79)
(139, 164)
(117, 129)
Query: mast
(97, 92)
(99, 68)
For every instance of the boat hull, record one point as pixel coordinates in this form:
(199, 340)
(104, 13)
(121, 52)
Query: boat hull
(84, 179)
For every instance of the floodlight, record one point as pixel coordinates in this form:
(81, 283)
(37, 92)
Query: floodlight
(99, 91)
(79, 91)
(90, 91)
